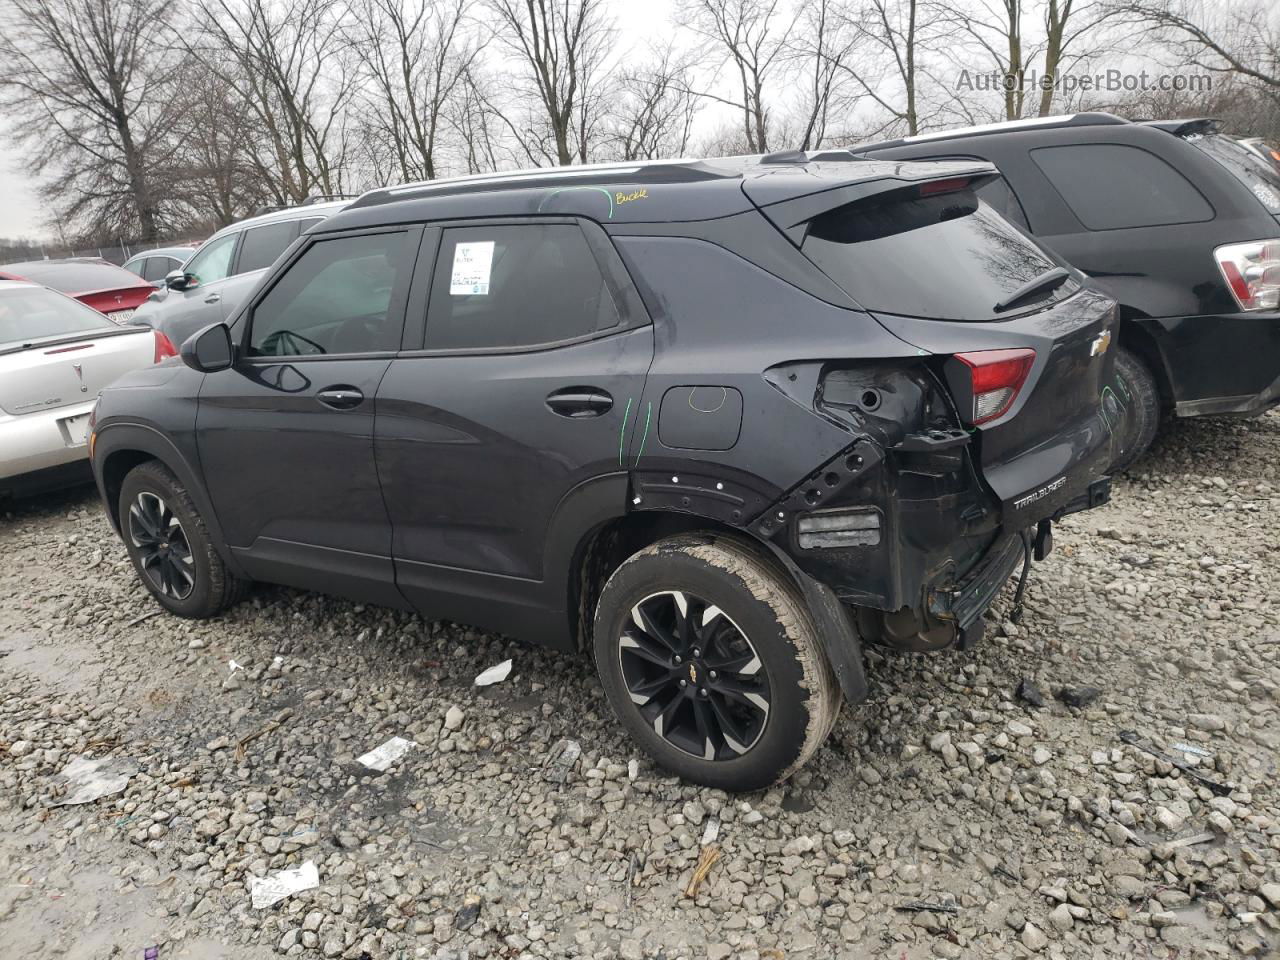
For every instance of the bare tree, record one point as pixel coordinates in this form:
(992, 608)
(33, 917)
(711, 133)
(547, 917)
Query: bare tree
(1243, 40)
(895, 34)
(87, 85)
(214, 179)
(654, 109)
(820, 51)
(291, 65)
(752, 36)
(478, 127)
(994, 27)
(415, 54)
(1071, 32)
(561, 47)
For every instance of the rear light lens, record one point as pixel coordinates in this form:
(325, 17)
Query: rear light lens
(1252, 273)
(934, 187)
(996, 377)
(164, 347)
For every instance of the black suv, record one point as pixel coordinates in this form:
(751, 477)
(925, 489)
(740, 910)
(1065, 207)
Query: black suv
(716, 422)
(1175, 221)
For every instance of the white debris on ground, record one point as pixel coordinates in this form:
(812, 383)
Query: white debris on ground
(1096, 781)
(382, 757)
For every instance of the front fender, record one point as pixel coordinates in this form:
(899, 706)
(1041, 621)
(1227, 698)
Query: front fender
(130, 442)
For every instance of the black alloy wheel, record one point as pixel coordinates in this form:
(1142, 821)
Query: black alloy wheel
(694, 675)
(163, 549)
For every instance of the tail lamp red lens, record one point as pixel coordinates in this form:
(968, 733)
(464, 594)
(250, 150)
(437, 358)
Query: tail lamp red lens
(996, 377)
(164, 347)
(934, 187)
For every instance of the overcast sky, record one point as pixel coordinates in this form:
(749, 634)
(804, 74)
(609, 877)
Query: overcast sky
(20, 214)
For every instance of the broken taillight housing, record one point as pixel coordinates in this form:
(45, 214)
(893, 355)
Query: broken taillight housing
(164, 347)
(995, 378)
(1252, 273)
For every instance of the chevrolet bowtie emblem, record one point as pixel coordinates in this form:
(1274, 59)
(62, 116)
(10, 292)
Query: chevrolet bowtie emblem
(1100, 343)
(693, 674)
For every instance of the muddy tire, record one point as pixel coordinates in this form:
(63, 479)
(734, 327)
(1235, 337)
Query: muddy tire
(710, 658)
(170, 546)
(1140, 397)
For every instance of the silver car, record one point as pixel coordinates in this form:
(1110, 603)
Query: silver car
(225, 269)
(154, 265)
(55, 355)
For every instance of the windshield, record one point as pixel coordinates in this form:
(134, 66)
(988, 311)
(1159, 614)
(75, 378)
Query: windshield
(30, 313)
(1245, 165)
(938, 255)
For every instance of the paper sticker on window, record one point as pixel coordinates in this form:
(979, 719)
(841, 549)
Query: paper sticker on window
(472, 264)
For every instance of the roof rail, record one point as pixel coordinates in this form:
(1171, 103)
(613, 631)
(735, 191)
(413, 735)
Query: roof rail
(652, 169)
(327, 198)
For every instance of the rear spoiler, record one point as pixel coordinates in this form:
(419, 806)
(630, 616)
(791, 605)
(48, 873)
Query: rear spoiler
(792, 215)
(1197, 127)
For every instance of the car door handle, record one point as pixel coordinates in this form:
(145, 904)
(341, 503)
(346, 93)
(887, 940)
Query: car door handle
(213, 298)
(341, 397)
(579, 402)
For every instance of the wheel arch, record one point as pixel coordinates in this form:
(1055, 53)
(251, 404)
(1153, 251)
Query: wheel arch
(119, 448)
(1137, 338)
(603, 548)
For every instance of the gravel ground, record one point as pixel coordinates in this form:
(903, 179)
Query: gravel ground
(981, 804)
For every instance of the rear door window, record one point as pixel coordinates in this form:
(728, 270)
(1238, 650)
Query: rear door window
(263, 245)
(336, 298)
(1245, 165)
(155, 268)
(942, 255)
(516, 285)
(136, 267)
(1111, 186)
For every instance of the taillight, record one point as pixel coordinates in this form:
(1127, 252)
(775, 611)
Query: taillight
(1252, 273)
(164, 347)
(995, 377)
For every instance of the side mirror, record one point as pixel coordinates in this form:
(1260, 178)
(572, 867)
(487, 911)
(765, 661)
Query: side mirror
(209, 350)
(177, 280)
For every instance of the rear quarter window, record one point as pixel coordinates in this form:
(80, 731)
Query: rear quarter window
(261, 246)
(1246, 166)
(1112, 186)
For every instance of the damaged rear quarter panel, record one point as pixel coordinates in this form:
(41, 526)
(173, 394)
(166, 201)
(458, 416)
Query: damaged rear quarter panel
(722, 321)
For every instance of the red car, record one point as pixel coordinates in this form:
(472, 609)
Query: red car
(105, 287)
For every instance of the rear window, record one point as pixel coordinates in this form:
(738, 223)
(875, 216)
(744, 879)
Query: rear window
(1245, 165)
(262, 245)
(944, 256)
(28, 314)
(74, 278)
(1110, 186)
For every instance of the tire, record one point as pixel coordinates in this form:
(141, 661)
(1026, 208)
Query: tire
(1140, 397)
(170, 546)
(761, 647)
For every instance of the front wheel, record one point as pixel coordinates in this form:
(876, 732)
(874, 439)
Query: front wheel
(170, 546)
(710, 658)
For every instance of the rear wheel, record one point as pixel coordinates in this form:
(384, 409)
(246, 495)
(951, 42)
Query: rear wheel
(1140, 398)
(710, 659)
(170, 546)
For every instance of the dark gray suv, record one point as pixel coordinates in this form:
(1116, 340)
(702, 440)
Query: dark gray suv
(717, 422)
